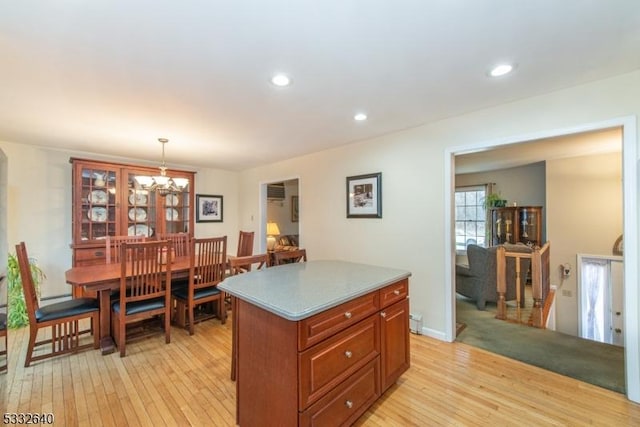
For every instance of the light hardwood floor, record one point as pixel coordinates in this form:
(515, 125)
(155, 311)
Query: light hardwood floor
(187, 383)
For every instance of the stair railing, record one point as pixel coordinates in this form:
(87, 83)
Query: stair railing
(540, 282)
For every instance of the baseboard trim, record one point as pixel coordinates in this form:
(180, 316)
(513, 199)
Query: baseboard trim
(439, 335)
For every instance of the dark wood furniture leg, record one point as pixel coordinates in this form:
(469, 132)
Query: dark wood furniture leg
(107, 346)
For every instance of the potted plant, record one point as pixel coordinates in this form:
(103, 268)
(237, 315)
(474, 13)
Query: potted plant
(17, 315)
(494, 200)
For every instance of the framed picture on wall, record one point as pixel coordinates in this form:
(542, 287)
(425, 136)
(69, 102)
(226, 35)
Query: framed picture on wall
(364, 196)
(294, 208)
(208, 208)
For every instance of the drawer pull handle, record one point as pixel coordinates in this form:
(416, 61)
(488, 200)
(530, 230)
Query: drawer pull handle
(348, 404)
(396, 292)
(348, 354)
(383, 314)
(347, 315)
(99, 253)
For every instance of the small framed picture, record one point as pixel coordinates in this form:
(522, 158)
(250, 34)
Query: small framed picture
(364, 196)
(208, 208)
(294, 208)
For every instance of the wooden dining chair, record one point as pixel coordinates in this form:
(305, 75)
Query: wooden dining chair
(238, 265)
(288, 257)
(145, 288)
(207, 269)
(182, 247)
(113, 244)
(62, 317)
(245, 243)
(4, 357)
(181, 242)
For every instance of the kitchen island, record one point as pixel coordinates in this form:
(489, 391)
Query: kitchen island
(318, 342)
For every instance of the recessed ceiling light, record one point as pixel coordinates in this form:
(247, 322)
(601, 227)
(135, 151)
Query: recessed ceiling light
(360, 117)
(281, 80)
(501, 70)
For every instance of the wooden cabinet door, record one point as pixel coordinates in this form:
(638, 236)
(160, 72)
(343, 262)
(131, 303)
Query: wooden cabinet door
(150, 213)
(504, 225)
(394, 327)
(95, 203)
(530, 222)
(140, 213)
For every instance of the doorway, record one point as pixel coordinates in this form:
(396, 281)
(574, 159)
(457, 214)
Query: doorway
(280, 213)
(630, 229)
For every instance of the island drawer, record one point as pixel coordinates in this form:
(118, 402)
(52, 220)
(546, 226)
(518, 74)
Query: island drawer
(345, 403)
(323, 325)
(325, 365)
(393, 293)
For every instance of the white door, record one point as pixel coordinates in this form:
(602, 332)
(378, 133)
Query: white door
(601, 298)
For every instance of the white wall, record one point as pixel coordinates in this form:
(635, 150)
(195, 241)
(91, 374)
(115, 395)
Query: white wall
(38, 206)
(411, 233)
(584, 215)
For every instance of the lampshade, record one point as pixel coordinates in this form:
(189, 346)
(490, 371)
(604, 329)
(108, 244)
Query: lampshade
(272, 229)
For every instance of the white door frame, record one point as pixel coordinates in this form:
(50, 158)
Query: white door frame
(630, 231)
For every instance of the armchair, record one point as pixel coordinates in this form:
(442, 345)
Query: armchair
(478, 280)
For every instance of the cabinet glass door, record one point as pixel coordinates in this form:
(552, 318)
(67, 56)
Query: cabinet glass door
(98, 203)
(141, 209)
(176, 206)
(529, 223)
(503, 225)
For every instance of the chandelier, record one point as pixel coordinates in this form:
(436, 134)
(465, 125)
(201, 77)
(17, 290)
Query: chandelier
(162, 183)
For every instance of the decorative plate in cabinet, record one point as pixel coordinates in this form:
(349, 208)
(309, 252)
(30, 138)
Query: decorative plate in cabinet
(138, 199)
(172, 214)
(137, 214)
(98, 197)
(97, 214)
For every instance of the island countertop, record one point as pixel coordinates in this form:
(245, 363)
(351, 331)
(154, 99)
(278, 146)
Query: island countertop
(300, 290)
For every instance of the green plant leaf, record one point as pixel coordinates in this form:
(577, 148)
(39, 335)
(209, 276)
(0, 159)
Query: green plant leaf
(17, 315)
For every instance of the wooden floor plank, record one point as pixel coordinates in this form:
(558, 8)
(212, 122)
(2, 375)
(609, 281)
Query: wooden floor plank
(187, 382)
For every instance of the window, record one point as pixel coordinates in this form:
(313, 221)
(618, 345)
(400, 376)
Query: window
(470, 216)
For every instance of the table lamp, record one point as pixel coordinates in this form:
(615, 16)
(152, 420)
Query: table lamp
(272, 232)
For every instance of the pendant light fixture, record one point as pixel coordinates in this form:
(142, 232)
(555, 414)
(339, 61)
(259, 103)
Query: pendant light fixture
(162, 183)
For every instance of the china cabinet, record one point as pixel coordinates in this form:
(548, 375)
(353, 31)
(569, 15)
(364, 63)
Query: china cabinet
(108, 202)
(516, 224)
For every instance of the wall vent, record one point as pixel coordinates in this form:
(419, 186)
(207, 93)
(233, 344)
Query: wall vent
(275, 191)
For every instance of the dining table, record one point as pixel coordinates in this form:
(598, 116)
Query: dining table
(104, 278)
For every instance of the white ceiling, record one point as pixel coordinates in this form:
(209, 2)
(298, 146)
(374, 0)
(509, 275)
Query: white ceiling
(111, 76)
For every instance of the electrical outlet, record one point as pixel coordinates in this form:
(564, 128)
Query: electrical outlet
(566, 293)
